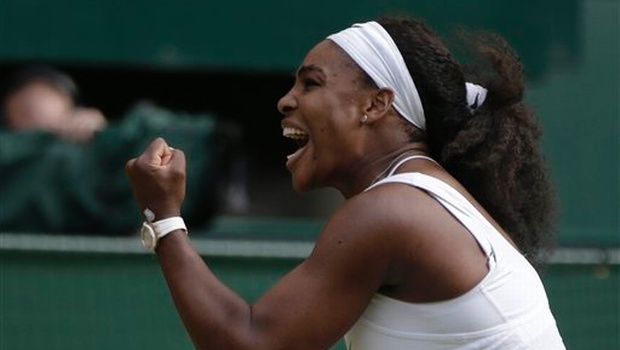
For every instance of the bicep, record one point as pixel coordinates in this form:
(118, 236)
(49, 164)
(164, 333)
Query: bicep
(315, 304)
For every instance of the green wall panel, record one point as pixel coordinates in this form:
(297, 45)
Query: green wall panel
(248, 34)
(586, 302)
(579, 109)
(105, 301)
(51, 300)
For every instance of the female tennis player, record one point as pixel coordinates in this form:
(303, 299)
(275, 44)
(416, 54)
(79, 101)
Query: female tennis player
(446, 196)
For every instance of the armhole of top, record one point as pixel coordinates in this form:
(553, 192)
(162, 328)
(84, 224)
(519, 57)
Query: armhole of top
(455, 203)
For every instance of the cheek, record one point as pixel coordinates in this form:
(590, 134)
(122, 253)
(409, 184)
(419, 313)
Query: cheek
(53, 111)
(333, 152)
(337, 134)
(38, 111)
(332, 127)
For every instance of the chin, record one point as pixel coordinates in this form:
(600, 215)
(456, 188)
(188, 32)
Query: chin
(300, 187)
(303, 185)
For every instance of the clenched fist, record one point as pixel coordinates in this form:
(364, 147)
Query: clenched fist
(157, 177)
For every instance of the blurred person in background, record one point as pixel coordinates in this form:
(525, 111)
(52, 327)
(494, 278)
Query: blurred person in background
(61, 164)
(43, 98)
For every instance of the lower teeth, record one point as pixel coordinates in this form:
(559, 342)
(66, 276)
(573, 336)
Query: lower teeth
(293, 155)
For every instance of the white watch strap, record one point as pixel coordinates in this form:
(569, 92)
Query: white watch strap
(165, 226)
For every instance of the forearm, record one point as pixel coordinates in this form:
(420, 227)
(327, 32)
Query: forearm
(215, 317)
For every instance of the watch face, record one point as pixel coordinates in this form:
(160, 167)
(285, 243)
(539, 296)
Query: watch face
(147, 235)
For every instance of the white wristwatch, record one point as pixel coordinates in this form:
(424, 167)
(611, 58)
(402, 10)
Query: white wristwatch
(152, 232)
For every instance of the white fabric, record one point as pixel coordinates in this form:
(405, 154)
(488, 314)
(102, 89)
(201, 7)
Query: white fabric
(476, 95)
(372, 48)
(165, 226)
(508, 309)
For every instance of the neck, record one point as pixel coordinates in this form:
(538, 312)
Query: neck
(372, 169)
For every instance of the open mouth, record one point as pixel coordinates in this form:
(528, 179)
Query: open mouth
(299, 136)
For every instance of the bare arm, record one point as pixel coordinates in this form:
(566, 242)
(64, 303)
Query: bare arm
(310, 308)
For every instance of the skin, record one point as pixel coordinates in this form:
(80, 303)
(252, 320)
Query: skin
(393, 239)
(40, 105)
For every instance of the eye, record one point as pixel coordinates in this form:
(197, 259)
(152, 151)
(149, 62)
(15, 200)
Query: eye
(309, 83)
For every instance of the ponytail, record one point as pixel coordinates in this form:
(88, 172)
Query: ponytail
(494, 150)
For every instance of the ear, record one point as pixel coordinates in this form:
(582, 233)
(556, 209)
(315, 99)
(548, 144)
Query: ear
(380, 104)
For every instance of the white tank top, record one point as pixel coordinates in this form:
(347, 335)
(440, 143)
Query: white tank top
(508, 309)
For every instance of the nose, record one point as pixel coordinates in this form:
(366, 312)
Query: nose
(287, 103)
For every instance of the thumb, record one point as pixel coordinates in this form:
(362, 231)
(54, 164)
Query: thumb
(177, 160)
(157, 153)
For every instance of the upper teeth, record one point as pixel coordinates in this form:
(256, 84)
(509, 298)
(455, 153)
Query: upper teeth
(294, 133)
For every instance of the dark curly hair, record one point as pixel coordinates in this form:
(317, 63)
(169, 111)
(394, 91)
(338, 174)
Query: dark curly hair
(495, 153)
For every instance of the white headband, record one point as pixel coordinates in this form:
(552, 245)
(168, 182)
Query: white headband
(372, 48)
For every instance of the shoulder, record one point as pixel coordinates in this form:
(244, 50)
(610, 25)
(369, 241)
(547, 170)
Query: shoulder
(378, 220)
(386, 234)
(392, 205)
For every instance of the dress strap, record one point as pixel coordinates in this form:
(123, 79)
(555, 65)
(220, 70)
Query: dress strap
(479, 227)
(406, 159)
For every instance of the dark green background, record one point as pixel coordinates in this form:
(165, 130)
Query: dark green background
(255, 34)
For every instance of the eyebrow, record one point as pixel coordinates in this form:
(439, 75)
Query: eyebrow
(303, 70)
